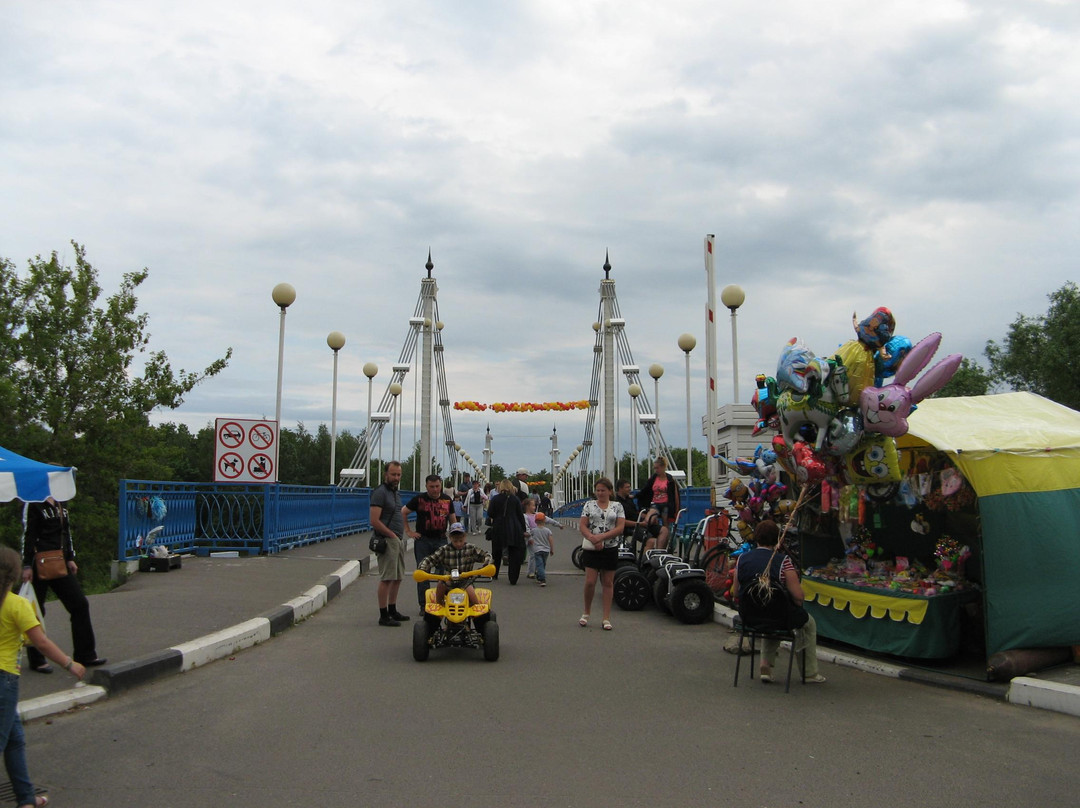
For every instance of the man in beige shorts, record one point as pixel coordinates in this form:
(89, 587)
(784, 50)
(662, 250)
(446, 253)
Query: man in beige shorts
(387, 521)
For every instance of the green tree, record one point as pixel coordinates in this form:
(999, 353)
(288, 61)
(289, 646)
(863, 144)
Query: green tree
(970, 379)
(76, 395)
(1040, 353)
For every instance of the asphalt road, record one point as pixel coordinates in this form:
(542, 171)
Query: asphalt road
(335, 712)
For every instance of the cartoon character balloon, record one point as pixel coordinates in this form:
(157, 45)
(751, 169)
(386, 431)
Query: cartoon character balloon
(886, 409)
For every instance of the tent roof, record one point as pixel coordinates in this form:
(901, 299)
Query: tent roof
(1002, 442)
(32, 481)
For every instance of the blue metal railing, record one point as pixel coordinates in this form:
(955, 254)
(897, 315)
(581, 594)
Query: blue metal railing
(253, 518)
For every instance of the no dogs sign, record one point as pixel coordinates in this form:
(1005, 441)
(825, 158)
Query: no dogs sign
(245, 451)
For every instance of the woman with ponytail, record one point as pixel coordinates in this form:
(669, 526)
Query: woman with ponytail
(18, 622)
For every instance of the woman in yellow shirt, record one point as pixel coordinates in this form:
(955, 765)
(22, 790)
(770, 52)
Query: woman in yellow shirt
(17, 620)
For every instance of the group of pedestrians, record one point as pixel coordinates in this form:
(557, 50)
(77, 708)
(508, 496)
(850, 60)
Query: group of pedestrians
(515, 525)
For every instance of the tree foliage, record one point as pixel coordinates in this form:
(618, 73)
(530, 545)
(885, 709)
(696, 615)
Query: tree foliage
(1040, 353)
(72, 391)
(970, 379)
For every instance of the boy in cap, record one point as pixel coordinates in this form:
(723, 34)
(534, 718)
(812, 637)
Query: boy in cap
(457, 555)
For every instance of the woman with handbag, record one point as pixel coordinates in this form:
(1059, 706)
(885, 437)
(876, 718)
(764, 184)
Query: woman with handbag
(49, 561)
(601, 527)
(507, 530)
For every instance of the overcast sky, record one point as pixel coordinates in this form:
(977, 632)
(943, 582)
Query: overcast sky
(847, 155)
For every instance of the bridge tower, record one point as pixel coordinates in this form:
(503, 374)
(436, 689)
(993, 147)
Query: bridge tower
(425, 328)
(612, 348)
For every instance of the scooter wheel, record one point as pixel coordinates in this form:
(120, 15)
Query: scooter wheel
(631, 590)
(659, 590)
(692, 601)
(575, 557)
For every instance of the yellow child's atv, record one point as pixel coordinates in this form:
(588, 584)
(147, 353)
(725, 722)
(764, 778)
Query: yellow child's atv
(456, 623)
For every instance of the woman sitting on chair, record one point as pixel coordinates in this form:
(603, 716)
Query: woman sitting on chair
(776, 606)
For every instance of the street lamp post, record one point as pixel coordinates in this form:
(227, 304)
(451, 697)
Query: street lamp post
(733, 296)
(395, 391)
(336, 341)
(635, 391)
(687, 343)
(656, 370)
(370, 370)
(284, 295)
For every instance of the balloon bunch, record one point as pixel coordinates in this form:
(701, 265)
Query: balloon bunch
(836, 417)
(762, 497)
(519, 406)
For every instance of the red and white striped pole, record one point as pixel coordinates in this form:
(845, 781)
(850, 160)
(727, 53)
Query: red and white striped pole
(711, 365)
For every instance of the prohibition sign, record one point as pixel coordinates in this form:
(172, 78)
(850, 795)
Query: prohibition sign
(261, 436)
(260, 466)
(231, 465)
(231, 434)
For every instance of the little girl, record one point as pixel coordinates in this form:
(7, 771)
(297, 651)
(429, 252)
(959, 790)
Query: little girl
(17, 620)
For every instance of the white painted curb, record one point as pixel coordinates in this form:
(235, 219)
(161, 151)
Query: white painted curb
(1044, 695)
(223, 643)
(59, 702)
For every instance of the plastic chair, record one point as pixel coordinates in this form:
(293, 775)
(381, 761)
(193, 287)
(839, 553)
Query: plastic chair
(755, 633)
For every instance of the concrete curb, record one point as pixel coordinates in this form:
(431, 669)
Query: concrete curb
(1044, 695)
(112, 679)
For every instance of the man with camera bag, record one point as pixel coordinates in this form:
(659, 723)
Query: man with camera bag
(387, 523)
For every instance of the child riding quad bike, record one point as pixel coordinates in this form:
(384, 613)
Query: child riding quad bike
(456, 614)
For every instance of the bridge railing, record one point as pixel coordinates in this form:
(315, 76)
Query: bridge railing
(202, 518)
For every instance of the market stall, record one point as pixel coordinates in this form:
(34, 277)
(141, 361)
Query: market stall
(985, 523)
(1021, 454)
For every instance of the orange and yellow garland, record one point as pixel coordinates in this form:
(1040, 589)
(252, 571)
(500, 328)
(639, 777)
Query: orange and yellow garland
(522, 406)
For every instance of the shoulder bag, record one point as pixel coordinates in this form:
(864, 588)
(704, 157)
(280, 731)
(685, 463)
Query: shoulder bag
(50, 565)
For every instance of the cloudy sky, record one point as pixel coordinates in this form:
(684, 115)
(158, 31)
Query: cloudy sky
(847, 155)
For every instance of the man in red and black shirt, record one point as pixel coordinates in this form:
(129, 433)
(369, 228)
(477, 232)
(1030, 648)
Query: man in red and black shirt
(434, 512)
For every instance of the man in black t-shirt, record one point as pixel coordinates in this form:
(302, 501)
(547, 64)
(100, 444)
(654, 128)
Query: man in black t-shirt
(434, 513)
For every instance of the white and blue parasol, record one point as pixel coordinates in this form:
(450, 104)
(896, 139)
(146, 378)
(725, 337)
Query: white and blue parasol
(32, 481)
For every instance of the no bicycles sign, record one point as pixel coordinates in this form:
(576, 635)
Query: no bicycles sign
(245, 451)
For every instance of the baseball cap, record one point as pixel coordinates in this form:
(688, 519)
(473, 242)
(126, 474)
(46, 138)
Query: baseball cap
(541, 518)
(457, 527)
(522, 471)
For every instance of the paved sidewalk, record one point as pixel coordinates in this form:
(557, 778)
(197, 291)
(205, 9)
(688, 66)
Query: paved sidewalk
(155, 611)
(156, 624)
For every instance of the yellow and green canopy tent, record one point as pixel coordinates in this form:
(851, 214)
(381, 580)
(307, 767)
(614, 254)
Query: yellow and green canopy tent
(1021, 454)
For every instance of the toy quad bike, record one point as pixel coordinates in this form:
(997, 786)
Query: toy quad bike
(456, 623)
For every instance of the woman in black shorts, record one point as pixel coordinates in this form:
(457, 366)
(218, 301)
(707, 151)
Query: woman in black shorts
(601, 526)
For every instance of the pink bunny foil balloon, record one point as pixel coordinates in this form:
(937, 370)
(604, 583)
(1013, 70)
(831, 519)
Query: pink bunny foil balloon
(886, 409)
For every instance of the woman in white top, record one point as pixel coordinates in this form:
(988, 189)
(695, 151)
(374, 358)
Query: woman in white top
(601, 528)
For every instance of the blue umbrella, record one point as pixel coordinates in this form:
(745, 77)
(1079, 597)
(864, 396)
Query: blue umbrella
(32, 481)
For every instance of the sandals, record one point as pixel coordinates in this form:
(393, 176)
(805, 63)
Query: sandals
(766, 673)
(584, 621)
(39, 802)
(607, 625)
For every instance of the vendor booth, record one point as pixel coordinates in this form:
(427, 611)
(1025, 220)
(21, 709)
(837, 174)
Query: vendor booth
(989, 512)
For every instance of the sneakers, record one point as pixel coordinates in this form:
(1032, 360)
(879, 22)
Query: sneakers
(388, 621)
(542, 583)
(816, 679)
(530, 575)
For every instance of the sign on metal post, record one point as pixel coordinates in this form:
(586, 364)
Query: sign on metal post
(245, 451)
